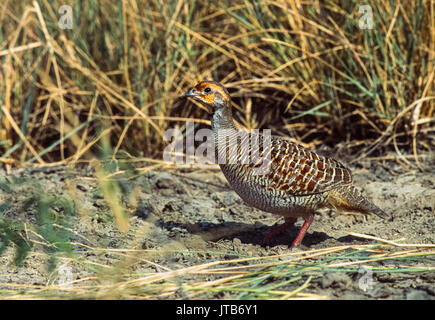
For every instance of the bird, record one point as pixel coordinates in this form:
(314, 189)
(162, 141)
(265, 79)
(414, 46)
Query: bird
(297, 182)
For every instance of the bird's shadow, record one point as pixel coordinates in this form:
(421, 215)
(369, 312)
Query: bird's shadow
(247, 233)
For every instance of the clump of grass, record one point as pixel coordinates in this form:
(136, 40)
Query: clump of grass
(50, 227)
(11, 232)
(305, 69)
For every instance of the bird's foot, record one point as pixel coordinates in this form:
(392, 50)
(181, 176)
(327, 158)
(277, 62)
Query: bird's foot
(303, 231)
(277, 229)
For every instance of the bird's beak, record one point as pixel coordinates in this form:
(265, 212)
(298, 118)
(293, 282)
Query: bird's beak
(190, 93)
(193, 94)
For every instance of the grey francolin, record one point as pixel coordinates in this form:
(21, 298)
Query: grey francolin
(297, 181)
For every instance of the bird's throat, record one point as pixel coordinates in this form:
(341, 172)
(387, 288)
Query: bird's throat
(224, 130)
(223, 119)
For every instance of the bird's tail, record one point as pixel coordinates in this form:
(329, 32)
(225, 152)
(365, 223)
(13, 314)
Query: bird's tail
(350, 198)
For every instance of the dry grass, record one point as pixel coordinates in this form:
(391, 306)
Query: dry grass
(283, 276)
(302, 68)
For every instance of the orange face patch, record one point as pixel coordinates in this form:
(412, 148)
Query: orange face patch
(202, 85)
(209, 98)
(215, 88)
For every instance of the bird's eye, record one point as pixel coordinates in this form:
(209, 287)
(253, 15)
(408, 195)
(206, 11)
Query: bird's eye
(207, 90)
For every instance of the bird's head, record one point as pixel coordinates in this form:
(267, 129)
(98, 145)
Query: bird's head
(210, 94)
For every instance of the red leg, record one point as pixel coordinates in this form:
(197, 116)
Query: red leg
(303, 231)
(278, 229)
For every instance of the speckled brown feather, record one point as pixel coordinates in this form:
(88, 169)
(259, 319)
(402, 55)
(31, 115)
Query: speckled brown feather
(298, 171)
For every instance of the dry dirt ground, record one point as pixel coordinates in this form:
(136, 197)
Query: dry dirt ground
(198, 211)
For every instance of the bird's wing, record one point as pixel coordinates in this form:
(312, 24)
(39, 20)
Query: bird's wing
(297, 171)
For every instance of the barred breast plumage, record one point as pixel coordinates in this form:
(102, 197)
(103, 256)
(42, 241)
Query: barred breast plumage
(296, 182)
